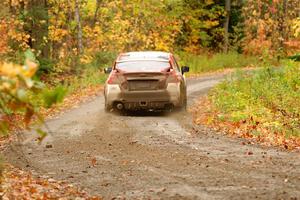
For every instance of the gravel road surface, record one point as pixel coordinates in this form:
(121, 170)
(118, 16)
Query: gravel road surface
(156, 156)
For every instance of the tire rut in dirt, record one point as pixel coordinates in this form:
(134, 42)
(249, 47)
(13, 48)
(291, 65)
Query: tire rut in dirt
(156, 156)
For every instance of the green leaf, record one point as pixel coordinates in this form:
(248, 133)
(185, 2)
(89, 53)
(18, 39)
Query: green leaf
(30, 55)
(54, 96)
(22, 95)
(41, 133)
(3, 128)
(38, 86)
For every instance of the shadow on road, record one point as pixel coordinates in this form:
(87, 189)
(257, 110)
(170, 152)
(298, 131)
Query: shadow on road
(145, 113)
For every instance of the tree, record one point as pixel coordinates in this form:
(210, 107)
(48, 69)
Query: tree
(79, 28)
(98, 2)
(202, 25)
(268, 24)
(226, 25)
(35, 16)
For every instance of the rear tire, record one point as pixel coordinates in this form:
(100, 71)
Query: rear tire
(182, 107)
(184, 104)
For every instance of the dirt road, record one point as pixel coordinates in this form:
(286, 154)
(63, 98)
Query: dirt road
(156, 156)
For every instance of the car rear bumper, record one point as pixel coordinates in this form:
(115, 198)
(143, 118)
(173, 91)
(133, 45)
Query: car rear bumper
(146, 99)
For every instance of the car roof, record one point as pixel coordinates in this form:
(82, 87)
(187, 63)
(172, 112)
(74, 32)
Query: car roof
(144, 55)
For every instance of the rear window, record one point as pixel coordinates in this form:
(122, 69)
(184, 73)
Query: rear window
(143, 66)
(143, 55)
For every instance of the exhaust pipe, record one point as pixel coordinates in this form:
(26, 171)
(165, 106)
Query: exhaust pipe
(120, 106)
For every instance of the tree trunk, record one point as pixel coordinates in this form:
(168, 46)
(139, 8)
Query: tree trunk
(79, 28)
(282, 27)
(38, 27)
(12, 9)
(96, 12)
(226, 25)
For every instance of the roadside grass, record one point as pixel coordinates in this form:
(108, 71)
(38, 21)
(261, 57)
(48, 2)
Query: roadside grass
(89, 77)
(217, 62)
(263, 104)
(61, 87)
(91, 74)
(81, 78)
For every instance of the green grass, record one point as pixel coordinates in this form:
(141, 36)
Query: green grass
(58, 89)
(268, 96)
(89, 77)
(215, 62)
(90, 74)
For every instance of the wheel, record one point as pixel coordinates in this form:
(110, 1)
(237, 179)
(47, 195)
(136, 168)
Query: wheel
(184, 104)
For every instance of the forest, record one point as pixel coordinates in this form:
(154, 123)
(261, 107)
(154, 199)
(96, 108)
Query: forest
(88, 32)
(51, 48)
(53, 54)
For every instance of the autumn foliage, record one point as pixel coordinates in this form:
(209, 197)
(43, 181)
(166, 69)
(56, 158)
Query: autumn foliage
(18, 94)
(270, 27)
(15, 82)
(74, 36)
(261, 104)
(62, 33)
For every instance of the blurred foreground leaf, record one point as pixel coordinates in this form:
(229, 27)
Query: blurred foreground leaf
(41, 133)
(54, 96)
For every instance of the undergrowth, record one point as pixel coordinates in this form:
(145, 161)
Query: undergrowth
(68, 85)
(219, 61)
(265, 99)
(89, 77)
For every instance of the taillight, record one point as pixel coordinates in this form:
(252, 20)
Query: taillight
(173, 77)
(112, 79)
(116, 78)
